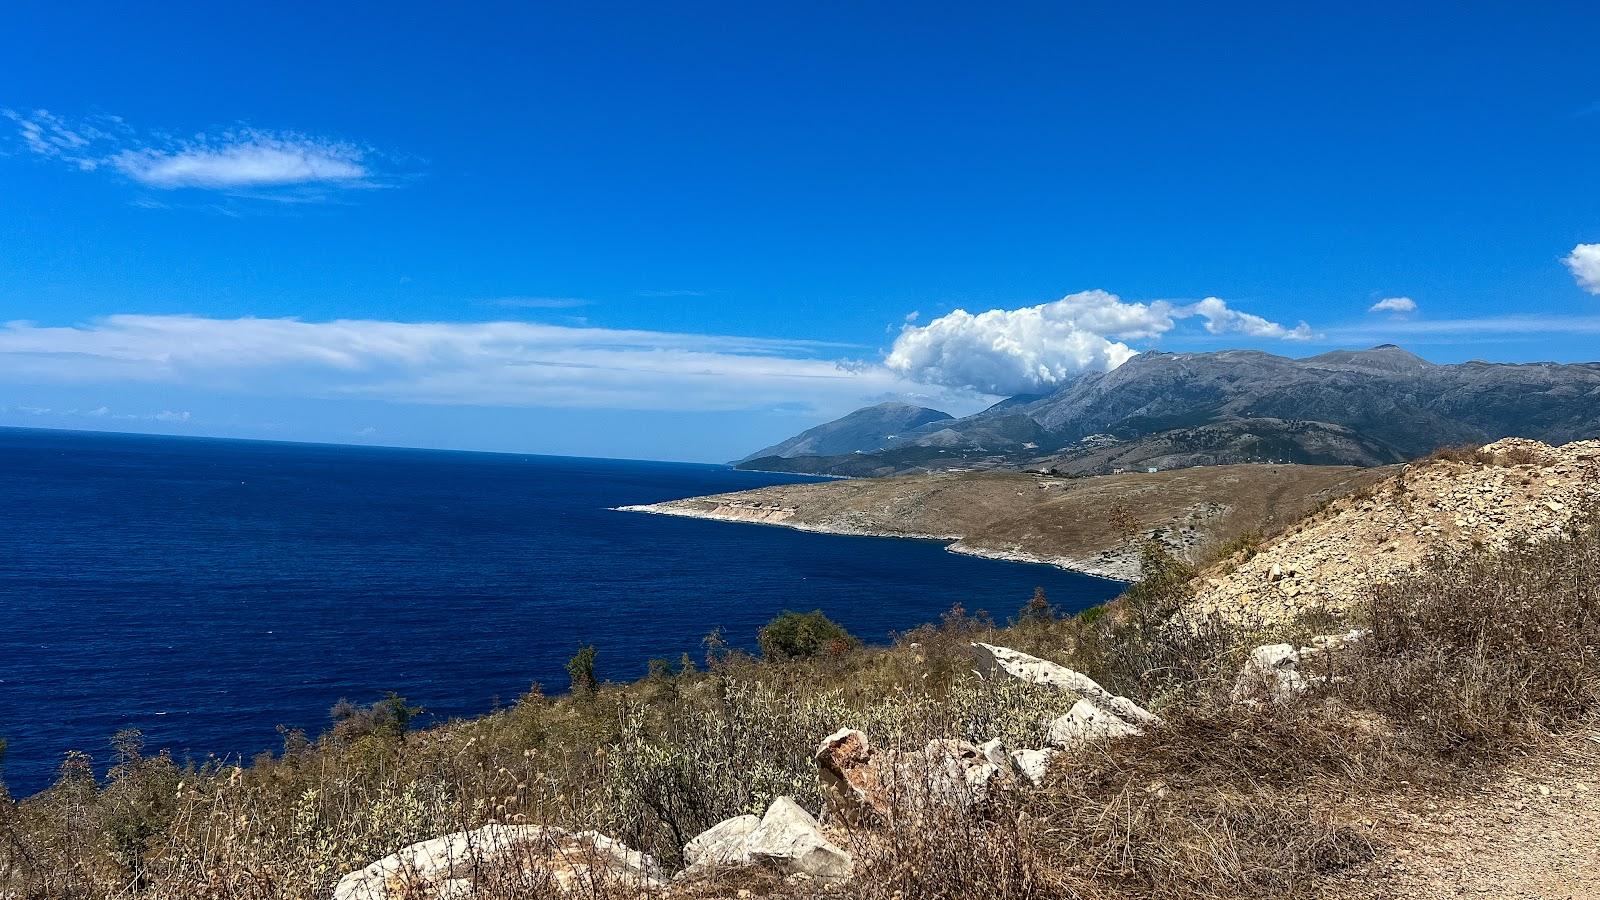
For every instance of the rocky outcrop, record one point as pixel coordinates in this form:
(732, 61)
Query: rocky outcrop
(994, 660)
(870, 785)
(1087, 723)
(857, 781)
(1510, 492)
(787, 840)
(529, 857)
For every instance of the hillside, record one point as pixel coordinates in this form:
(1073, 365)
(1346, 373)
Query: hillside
(1344, 407)
(872, 428)
(1506, 494)
(1064, 521)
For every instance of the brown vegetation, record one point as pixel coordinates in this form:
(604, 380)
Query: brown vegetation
(1062, 520)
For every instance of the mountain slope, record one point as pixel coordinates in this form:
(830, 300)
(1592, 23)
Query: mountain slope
(1349, 407)
(864, 430)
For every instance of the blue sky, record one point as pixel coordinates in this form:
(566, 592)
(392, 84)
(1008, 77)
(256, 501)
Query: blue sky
(685, 230)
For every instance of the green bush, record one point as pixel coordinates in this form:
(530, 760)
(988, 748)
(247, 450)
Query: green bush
(580, 669)
(795, 635)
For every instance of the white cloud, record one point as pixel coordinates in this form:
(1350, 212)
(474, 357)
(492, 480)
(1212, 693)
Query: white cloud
(242, 160)
(1397, 305)
(1036, 347)
(468, 363)
(236, 159)
(1222, 320)
(1584, 261)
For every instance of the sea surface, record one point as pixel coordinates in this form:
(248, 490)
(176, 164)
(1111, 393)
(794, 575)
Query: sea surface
(207, 591)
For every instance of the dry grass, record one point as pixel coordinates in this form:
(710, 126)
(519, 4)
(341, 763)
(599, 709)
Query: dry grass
(1468, 658)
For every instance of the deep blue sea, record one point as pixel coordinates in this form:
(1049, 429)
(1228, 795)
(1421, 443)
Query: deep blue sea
(205, 591)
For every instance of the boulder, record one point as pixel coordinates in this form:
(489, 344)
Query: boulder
(1087, 723)
(995, 751)
(722, 845)
(786, 839)
(954, 773)
(452, 867)
(1032, 765)
(791, 841)
(992, 659)
(853, 775)
(866, 784)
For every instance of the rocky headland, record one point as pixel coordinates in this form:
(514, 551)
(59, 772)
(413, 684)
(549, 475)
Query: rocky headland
(1095, 525)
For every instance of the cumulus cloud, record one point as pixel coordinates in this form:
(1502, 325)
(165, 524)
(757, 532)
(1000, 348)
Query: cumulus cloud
(471, 363)
(1396, 305)
(235, 159)
(1584, 261)
(1026, 350)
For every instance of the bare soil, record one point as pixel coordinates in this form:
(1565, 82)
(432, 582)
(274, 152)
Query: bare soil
(1531, 831)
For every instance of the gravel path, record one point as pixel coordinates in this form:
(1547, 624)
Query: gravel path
(1532, 832)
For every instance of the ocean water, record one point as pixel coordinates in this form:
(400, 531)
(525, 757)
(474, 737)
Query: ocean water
(206, 591)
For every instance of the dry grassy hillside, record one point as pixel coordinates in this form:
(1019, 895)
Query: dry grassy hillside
(1506, 494)
(1091, 525)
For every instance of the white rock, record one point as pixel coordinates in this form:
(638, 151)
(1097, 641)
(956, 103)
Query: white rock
(995, 751)
(1086, 723)
(1031, 765)
(722, 845)
(1033, 670)
(790, 840)
(446, 868)
(1274, 669)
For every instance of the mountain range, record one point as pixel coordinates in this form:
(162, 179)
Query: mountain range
(1169, 410)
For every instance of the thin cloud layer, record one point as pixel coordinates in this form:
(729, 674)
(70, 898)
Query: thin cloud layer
(243, 160)
(236, 159)
(475, 363)
(1584, 261)
(1027, 350)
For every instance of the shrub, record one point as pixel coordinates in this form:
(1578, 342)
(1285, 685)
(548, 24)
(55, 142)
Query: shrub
(1037, 611)
(1471, 651)
(387, 719)
(795, 635)
(580, 670)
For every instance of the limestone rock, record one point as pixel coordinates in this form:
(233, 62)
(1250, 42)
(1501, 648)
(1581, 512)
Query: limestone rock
(1031, 765)
(1033, 670)
(453, 866)
(1087, 723)
(1274, 671)
(995, 751)
(721, 845)
(852, 774)
(868, 784)
(791, 841)
(954, 773)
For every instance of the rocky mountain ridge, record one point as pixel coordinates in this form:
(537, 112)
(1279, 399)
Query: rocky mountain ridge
(1363, 407)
